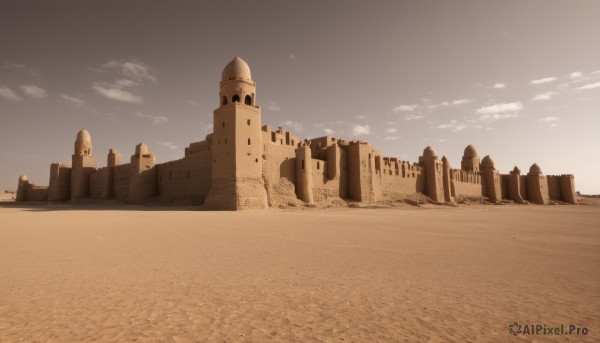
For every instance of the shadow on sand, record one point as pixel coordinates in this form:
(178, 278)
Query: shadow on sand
(95, 206)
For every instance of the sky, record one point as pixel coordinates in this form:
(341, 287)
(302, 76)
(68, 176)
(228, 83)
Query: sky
(518, 79)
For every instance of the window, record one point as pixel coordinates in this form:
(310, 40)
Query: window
(224, 101)
(235, 98)
(318, 165)
(248, 100)
(248, 141)
(223, 125)
(302, 164)
(248, 121)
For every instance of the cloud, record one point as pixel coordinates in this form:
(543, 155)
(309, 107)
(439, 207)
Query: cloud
(10, 65)
(8, 93)
(362, 116)
(393, 138)
(542, 80)
(453, 126)
(589, 86)
(154, 119)
(292, 125)
(361, 130)
(126, 83)
(548, 119)
(413, 117)
(501, 108)
(551, 121)
(34, 91)
(544, 96)
(390, 130)
(462, 101)
(134, 69)
(575, 74)
(329, 132)
(115, 93)
(169, 145)
(193, 102)
(499, 86)
(292, 57)
(72, 99)
(497, 116)
(272, 105)
(405, 108)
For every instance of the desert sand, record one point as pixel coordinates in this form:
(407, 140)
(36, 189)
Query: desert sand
(410, 274)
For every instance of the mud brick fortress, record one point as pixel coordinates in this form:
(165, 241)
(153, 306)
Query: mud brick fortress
(245, 165)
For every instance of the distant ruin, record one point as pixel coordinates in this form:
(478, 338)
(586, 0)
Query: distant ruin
(245, 165)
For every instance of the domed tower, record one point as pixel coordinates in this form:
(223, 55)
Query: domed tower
(470, 160)
(237, 181)
(237, 84)
(492, 181)
(537, 185)
(83, 143)
(83, 164)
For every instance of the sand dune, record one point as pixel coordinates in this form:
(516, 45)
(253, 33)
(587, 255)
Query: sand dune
(125, 274)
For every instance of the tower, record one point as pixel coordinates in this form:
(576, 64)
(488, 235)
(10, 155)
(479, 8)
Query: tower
(491, 179)
(142, 184)
(237, 181)
(434, 174)
(83, 165)
(470, 160)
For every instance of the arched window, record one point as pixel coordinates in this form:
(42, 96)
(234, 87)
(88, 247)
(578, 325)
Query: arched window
(248, 100)
(248, 141)
(248, 122)
(224, 101)
(235, 98)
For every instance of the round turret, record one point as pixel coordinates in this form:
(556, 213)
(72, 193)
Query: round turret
(487, 163)
(83, 143)
(516, 170)
(237, 69)
(429, 152)
(446, 163)
(141, 149)
(23, 178)
(471, 151)
(535, 169)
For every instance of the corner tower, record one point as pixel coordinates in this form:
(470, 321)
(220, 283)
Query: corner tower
(237, 182)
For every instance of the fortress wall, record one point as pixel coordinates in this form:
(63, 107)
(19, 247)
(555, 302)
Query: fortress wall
(504, 185)
(36, 193)
(362, 173)
(467, 188)
(514, 185)
(554, 185)
(568, 188)
(523, 186)
(98, 183)
(323, 188)
(466, 183)
(143, 185)
(537, 189)
(59, 187)
(121, 178)
(279, 172)
(400, 178)
(186, 178)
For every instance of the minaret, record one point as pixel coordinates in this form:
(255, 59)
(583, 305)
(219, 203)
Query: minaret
(237, 181)
(83, 165)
